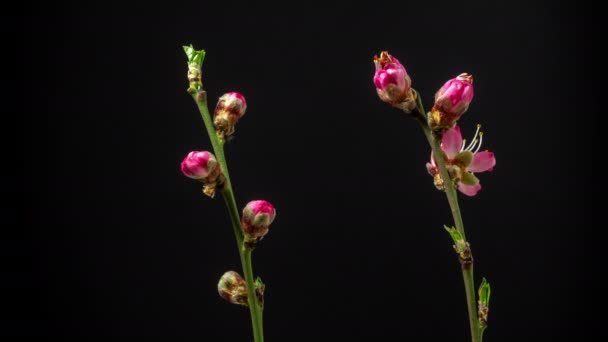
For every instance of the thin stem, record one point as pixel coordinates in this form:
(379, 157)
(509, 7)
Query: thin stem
(200, 98)
(254, 305)
(450, 191)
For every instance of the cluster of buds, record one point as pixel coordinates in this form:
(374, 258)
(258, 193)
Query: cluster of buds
(202, 166)
(229, 109)
(392, 82)
(462, 161)
(256, 219)
(452, 100)
(394, 87)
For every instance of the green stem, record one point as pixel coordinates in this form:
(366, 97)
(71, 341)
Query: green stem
(200, 98)
(254, 305)
(450, 191)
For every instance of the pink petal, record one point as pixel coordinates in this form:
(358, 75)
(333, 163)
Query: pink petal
(482, 161)
(383, 79)
(467, 95)
(455, 91)
(451, 142)
(377, 77)
(433, 161)
(398, 75)
(430, 169)
(469, 190)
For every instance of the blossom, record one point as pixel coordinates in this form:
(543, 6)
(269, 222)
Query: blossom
(392, 82)
(462, 162)
(229, 109)
(257, 217)
(451, 101)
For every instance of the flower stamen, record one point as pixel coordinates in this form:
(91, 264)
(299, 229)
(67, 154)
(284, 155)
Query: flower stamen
(474, 142)
(480, 140)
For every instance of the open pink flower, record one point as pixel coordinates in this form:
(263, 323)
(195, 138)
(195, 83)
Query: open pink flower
(451, 101)
(462, 161)
(392, 82)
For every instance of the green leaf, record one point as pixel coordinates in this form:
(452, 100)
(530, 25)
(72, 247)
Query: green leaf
(469, 178)
(454, 234)
(194, 56)
(258, 283)
(484, 293)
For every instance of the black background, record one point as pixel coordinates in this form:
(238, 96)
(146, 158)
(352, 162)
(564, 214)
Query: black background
(106, 240)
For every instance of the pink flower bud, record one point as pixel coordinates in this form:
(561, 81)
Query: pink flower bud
(233, 288)
(230, 108)
(392, 82)
(198, 165)
(257, 217)
(202, 166)
(451, 101)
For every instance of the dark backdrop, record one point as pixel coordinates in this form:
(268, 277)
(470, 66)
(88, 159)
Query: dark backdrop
(108, 241)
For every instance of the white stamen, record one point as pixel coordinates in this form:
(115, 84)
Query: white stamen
(475, 144)
(471, 145)
(480, 140)
(475, 136)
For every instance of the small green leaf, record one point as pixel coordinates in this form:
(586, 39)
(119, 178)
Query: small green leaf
(194, 56)
(484, 293)
(469, 179)
(258, 282)
(464, 158)
(454, 234)
(259, 288)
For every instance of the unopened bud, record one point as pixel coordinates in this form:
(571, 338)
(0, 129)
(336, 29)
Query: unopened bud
(257, 217)
(451, 101)
(232, 288)
(392, 82)
(204, 167)
(230, 108)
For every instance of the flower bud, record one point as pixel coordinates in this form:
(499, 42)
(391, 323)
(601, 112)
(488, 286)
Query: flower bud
(257, 217)
(199, 165)
(232, 288)
(392, 82)
(202, 166)
(230, 108)
(451, 101)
